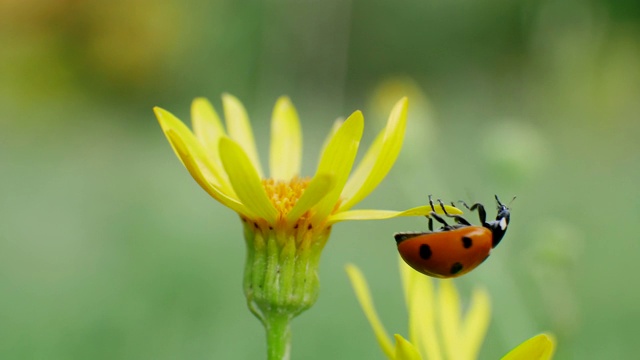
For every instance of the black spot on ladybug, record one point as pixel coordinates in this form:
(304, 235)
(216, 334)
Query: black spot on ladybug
(425, 251)
(466, 242)
(456, 268)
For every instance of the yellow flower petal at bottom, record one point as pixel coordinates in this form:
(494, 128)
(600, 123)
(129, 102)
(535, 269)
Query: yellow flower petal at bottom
(245, 180)
(539, 347)
(405, 350)
(286, 141)
(419, 293)
(361, 289)
(437, 328)
(476, 322)
(449, 310)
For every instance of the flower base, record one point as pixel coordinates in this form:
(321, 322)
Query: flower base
(281, 277)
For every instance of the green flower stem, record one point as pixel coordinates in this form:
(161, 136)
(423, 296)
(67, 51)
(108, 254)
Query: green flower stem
(281, 278)
(278, 336)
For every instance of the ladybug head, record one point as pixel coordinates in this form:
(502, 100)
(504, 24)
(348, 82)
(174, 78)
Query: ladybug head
(499, 226)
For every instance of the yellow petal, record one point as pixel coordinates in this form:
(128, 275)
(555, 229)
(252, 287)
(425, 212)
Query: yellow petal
(206, 123)
(405, 350)
(208, 129)
(286, 141)
(539, 347)
(418, 289)
(361, 289)
(379, 158)
(406, 273)
(192, 145)
(194, 169)
(363, 169)
(449, 311)
(476, 323)
(239, 128)
(245, 180)
(421, 308)
(387, 214)
(318, 188)
(334, 129)
(366, 215)
(337, 160)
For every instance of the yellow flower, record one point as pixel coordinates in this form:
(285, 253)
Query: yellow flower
(437, 328)
(287, 218)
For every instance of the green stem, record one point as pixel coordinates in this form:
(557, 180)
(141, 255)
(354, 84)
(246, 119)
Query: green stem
(278, 336)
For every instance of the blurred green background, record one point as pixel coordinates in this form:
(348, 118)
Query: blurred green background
(109, 250)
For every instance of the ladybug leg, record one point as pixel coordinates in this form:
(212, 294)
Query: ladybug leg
(444, 210)
(458, 219)
(430, 217)
(438, 219)
(431, 203)
(482, 214)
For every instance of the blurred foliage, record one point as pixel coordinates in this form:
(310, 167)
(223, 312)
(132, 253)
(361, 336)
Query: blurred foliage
(109, 250)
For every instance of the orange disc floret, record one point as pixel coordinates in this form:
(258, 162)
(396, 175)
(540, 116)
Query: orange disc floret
(285, 194)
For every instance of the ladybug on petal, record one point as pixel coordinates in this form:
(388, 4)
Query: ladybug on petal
(453, 250)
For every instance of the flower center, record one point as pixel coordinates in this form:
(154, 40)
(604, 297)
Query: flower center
(285, 194)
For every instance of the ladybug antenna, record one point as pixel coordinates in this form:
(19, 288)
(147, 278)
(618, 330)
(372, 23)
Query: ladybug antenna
(508, 206)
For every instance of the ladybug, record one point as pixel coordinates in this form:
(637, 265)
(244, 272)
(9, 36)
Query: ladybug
(453, 250)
